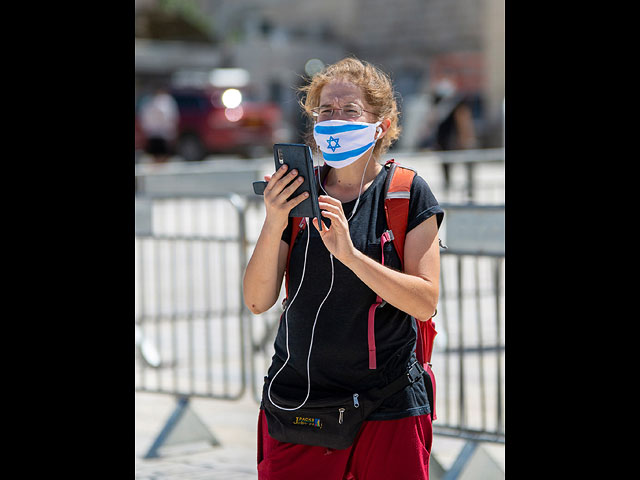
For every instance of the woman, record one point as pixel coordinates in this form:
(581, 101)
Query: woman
(321, 348)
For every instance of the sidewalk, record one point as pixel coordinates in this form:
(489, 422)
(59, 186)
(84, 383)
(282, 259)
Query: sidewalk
(233, 423)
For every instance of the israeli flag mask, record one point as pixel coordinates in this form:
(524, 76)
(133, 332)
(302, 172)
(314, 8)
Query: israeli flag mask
(343, 142)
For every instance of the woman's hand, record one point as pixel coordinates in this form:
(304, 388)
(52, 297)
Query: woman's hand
(279, 187)
(336, 238)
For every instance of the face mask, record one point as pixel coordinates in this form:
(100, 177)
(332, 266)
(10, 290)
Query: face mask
(342, 142)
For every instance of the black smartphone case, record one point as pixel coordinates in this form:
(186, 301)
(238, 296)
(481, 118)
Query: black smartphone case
(258, 187)
(298, 156)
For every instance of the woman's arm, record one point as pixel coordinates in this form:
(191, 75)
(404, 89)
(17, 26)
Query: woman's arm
(414, 291)
(263, 277)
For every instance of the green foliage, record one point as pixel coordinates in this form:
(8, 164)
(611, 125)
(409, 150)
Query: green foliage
(175, 20)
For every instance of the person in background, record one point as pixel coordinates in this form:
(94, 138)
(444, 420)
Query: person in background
(159, 118)
(452, 122)
(354, 120)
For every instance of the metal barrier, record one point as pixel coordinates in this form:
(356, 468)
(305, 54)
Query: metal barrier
(468, 357)
(470, 160)
(468, 171)
(190, 317)
(195, 337)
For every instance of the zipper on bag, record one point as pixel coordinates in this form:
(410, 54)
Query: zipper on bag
(341, 410)
(356, 403)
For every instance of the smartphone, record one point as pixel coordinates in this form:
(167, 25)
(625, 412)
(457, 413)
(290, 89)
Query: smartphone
(297, 156)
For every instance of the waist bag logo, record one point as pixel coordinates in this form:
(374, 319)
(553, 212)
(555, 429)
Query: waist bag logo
(308, 421)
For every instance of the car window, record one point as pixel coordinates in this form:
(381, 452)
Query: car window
(189, 103)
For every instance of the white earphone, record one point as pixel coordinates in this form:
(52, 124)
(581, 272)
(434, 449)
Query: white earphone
(286, 313)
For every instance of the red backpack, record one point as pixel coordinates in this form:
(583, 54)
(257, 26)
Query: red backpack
(396, 205)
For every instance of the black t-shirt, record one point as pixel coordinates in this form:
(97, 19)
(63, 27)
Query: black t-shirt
(339, 360)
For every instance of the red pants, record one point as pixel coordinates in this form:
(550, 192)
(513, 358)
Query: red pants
(383, 450)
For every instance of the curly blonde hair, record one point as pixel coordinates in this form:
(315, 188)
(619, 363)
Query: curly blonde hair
(376, 87)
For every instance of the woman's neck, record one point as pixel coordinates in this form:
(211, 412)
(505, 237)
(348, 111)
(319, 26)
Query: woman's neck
(344, 183)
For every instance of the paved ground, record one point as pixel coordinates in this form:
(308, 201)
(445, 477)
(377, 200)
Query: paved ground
(233, 423)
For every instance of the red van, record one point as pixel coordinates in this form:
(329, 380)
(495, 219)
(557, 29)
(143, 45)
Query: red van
(222, 120)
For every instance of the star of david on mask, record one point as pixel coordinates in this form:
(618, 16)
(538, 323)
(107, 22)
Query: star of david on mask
(343, 142)
(335, 145)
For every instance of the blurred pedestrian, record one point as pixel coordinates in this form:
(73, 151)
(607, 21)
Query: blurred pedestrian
(159, 118)
(348, 267)
(452, 125)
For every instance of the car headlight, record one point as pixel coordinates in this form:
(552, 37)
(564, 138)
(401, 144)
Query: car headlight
(231, 98)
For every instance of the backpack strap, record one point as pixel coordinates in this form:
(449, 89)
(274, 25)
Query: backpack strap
(387, 236)
(396, 207)
(397, 192)
(396, 203)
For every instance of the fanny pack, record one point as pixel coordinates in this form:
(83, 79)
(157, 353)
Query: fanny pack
(331, 422)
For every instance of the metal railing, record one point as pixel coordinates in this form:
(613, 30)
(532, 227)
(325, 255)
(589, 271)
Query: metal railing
(469, 360)
(207, 344)
(219, 175)
(469, 160)
(190, 318)
(196, 338)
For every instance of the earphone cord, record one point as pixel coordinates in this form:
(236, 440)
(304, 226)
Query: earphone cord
(355, 207)
(312, 330)
(286, 320)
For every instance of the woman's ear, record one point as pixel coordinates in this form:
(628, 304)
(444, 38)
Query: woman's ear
(382, 128)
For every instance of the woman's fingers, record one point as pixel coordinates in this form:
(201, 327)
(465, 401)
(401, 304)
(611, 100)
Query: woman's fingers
(284, 181)
(333, 202)
(325, 213)
(295, 201)
(324, 226)
(337, 221)
(280, 186)
(274, 178)
(288, 191)
(330, 207)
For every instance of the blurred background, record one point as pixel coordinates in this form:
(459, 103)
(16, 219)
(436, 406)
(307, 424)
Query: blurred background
(215, 88)
(435, 50)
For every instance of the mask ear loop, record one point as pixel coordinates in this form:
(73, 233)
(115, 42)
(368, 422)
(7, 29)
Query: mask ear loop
(375, 141)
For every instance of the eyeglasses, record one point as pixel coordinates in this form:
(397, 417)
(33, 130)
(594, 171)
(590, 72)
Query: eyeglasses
(350, 110)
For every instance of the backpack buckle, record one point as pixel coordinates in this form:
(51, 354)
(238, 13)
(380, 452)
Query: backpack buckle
(415, 372)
